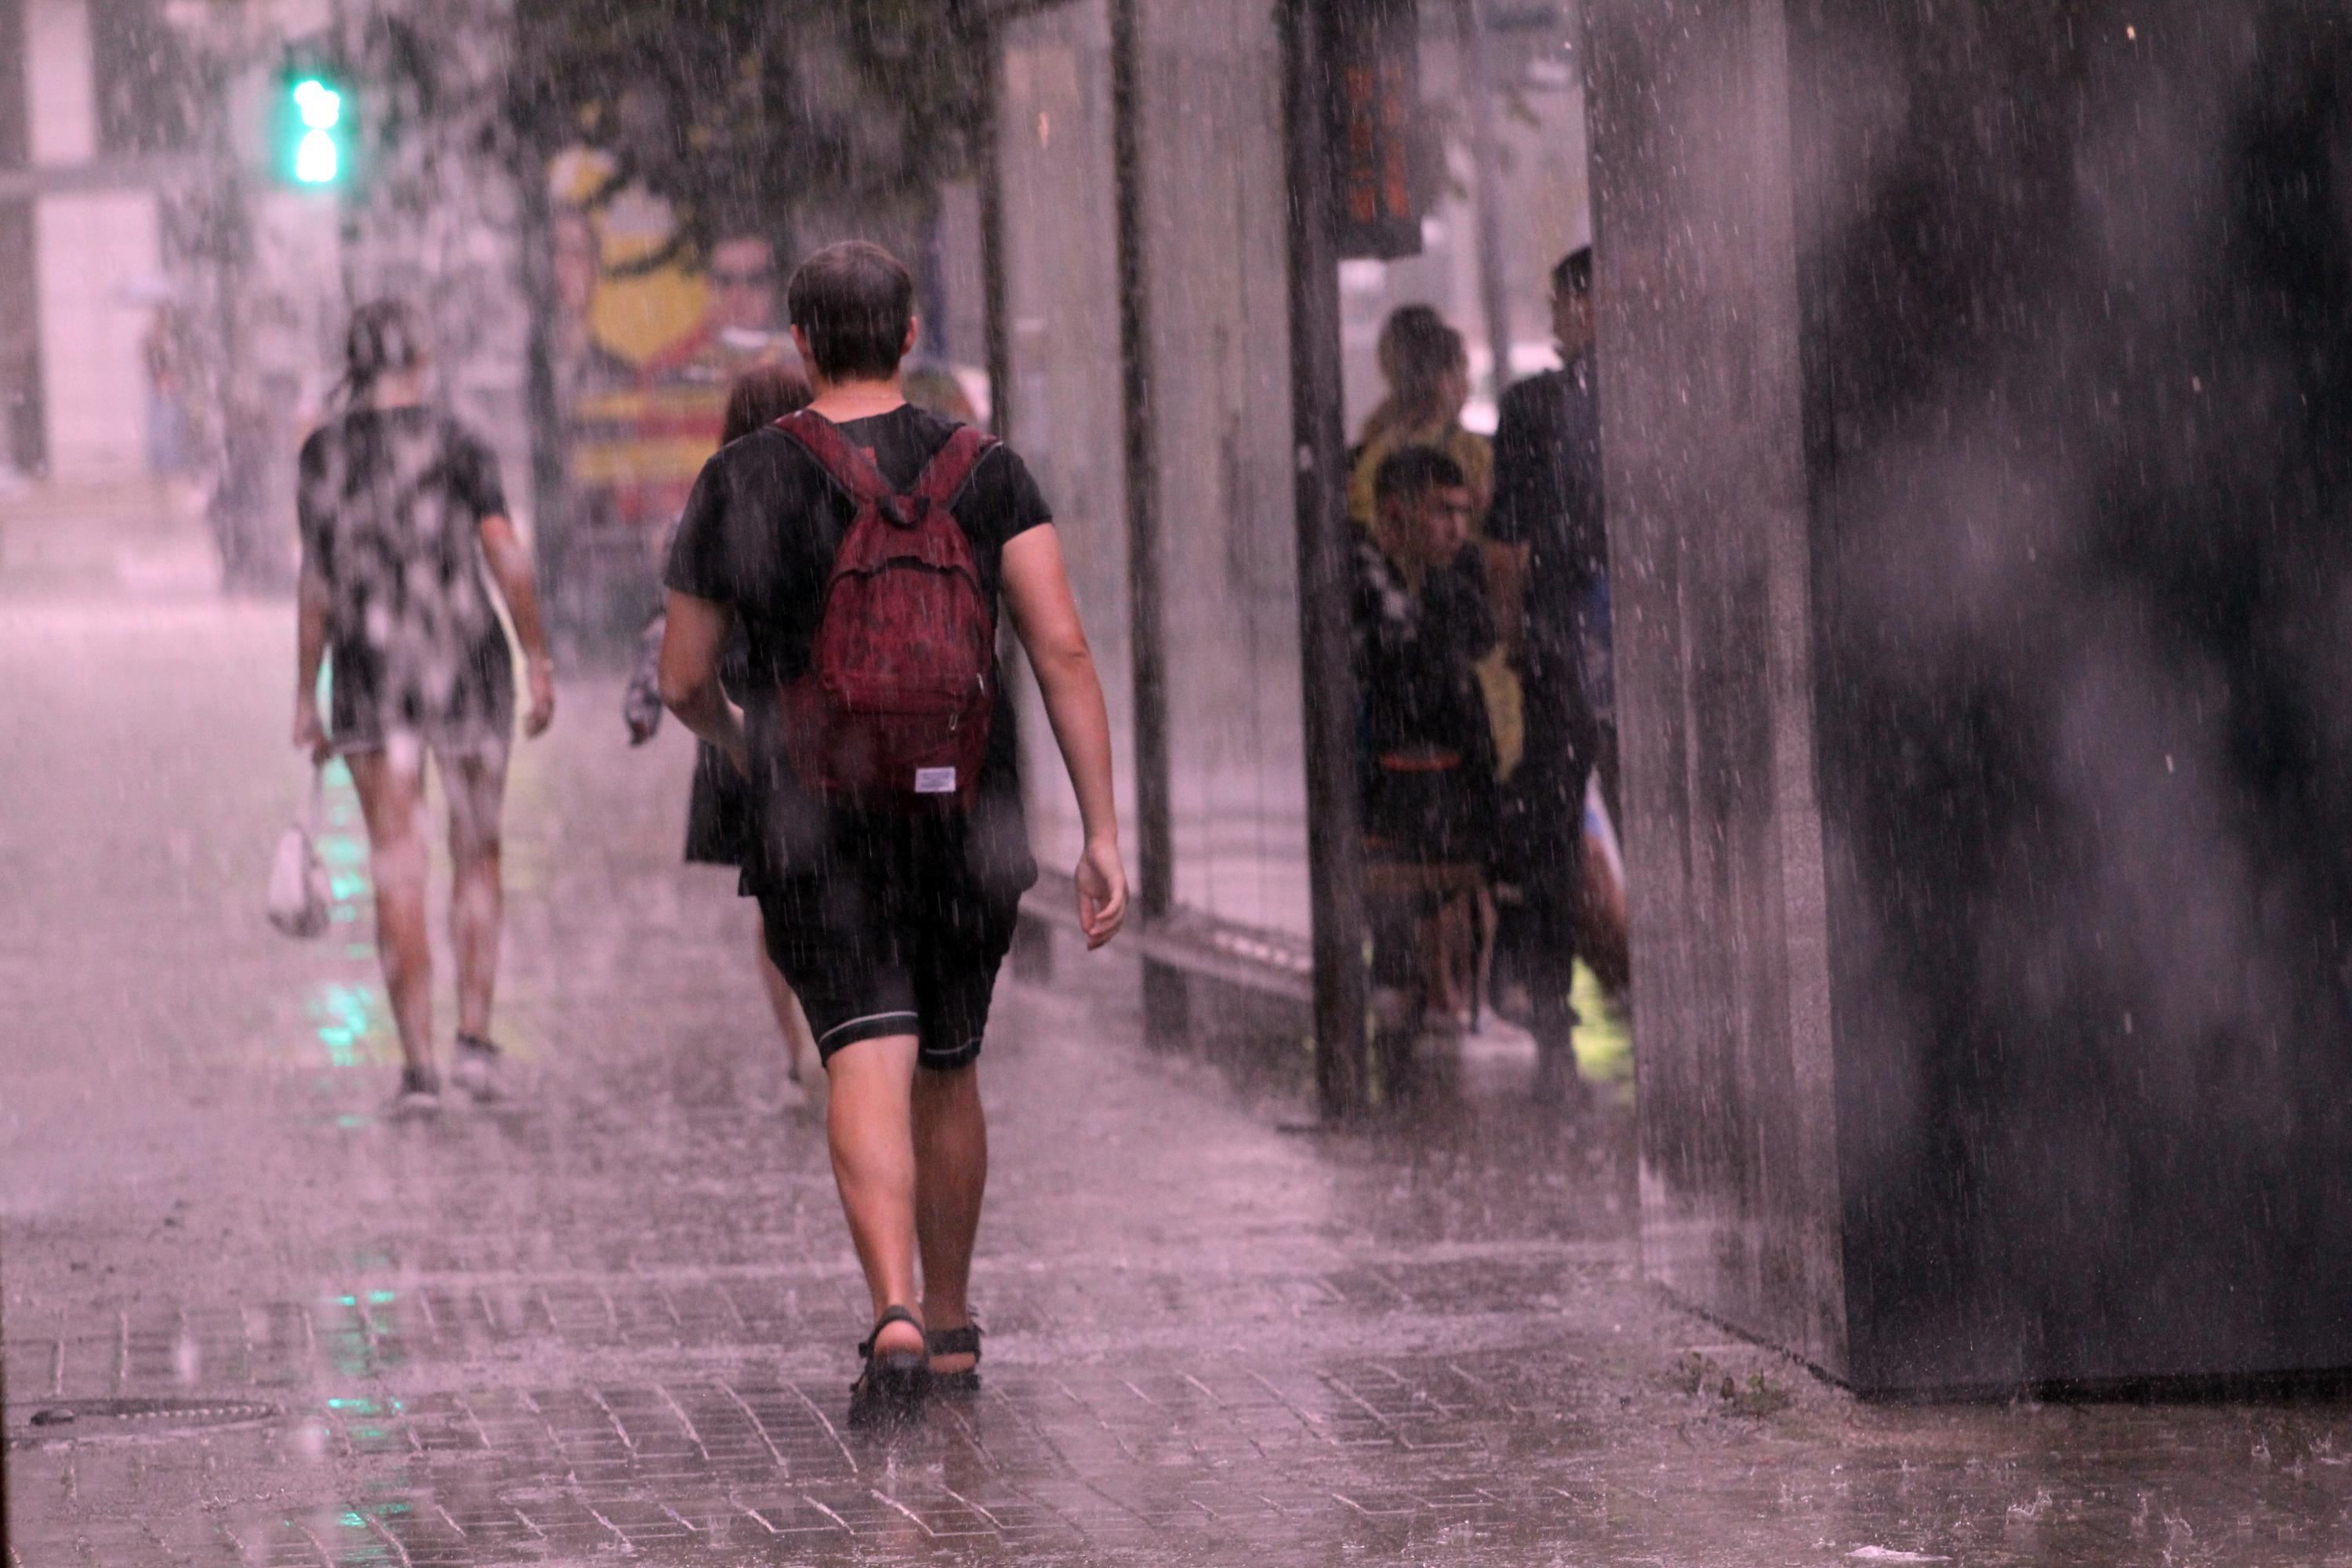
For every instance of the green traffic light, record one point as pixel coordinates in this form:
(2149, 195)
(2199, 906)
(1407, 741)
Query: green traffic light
(321, 106)
(318, 156)
(316, 161)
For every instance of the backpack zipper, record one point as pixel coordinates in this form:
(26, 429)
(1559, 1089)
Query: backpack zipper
(956, 718)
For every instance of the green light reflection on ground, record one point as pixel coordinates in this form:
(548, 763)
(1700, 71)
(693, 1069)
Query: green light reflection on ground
(1604, 1044)
(344, 1016)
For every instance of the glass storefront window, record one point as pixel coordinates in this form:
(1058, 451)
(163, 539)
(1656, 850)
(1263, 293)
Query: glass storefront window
(1061, 284)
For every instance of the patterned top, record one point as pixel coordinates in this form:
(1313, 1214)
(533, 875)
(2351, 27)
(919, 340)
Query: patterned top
(390, 503)
(1417, 657)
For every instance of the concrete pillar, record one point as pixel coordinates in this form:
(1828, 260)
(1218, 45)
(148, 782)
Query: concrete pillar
(1976, 386)
(90, 247)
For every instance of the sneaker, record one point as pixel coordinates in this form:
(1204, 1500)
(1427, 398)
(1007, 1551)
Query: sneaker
(475, 1069)
(419, 1095)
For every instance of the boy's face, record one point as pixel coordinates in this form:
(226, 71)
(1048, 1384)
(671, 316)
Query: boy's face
(1430, 529)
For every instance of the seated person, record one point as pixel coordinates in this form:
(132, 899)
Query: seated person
(1421, 625)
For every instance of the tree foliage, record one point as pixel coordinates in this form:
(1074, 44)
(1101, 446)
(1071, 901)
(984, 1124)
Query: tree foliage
(747, 110)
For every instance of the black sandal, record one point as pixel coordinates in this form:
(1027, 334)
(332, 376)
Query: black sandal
(893, 1380)
(964, 1341)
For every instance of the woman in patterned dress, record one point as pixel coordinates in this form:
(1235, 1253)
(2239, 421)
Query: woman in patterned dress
(405, 531)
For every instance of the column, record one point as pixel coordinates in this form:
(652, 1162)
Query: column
(1975, 384)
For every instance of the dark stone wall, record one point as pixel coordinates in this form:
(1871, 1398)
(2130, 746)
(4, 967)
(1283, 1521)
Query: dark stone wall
(2071, 346)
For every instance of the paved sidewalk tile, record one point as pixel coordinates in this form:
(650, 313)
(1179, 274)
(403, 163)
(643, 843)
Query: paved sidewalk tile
(612, 1319)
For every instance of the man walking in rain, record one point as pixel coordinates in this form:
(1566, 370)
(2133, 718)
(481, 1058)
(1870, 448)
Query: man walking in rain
(865, 544)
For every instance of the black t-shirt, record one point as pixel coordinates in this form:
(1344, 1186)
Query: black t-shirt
(1548, 497)
(759, 536)
(1417, 657)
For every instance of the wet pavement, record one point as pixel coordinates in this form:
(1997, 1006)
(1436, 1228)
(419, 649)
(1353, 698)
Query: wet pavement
(614, 1317)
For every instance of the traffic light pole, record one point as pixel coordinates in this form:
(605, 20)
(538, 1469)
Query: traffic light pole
(347, 216)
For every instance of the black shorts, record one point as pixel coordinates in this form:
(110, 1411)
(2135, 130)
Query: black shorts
(1432, 817)
(876, 949)
(718, 816)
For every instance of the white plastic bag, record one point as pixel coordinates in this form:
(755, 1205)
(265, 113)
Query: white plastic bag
(299, 892)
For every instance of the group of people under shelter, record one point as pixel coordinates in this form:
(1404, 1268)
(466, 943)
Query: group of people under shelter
(1487, 754)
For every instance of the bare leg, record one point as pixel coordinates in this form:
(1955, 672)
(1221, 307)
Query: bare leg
(1483, 945)
(475, 786)
(950, 1175)
(1436, 983)
(391, 797)
(1456, 943)
(1552, 976)
(1465, 954)
(791, 1021)
(870, 1125)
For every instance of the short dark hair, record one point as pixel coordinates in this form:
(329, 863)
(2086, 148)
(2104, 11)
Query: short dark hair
(1417, 348)
(761, 397)
(1572, 279)
(1410, 472)
(854, 301)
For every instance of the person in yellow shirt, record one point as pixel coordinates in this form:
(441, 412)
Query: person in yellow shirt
(1427, 367)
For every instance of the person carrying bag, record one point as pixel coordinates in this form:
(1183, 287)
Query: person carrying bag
(299, 891)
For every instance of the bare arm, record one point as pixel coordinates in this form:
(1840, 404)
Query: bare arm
(510, 565)
(694, 633)
(1045, 618)
(1507, 595)
(313, 599)
(641, 703)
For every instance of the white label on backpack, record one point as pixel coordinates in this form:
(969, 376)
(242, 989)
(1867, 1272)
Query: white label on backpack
(935, 781)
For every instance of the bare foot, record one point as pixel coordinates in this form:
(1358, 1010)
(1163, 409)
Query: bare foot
(899, 1339)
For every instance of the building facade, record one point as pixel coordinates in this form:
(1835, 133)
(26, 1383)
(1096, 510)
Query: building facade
(81, 217)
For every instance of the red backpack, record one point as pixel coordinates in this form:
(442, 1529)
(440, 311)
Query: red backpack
(893, 712)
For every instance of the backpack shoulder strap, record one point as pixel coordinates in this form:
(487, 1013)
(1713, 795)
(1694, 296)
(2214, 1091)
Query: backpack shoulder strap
(848, 467)
(950, 470)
